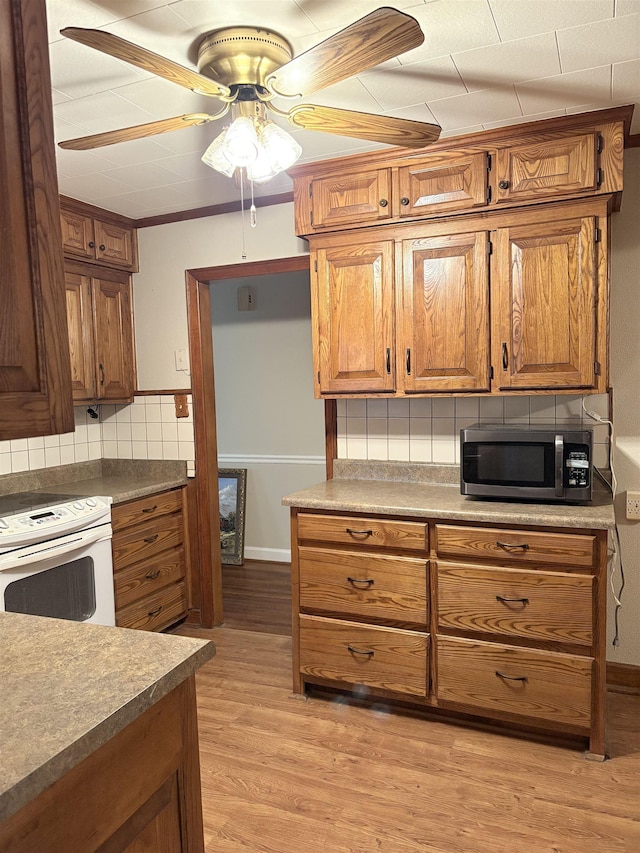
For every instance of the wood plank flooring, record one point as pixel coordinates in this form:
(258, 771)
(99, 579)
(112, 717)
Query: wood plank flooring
(282, 775)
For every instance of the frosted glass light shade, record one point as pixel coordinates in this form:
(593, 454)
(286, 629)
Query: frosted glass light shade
(241, 144)
(215, 157)
(282, 149)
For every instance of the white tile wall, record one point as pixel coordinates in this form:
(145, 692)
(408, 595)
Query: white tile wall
(427, 430)
(146, 429)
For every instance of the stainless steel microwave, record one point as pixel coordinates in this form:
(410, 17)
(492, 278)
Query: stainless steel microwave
(539, 462)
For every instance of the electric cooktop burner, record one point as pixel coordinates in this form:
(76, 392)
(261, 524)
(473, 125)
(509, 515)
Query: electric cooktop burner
(23, 501)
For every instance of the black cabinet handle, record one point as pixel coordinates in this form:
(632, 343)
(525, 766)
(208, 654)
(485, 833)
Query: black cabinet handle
(522, 545)
(150, 508)
(355, 581)
(408, 362)
(358, 532)
(155, 612)
(504, 185)
(151, 576)
(522, 678)
(91, 244)
(102, 374)
(505, 355)
(102, 247)
(404, 201)
(353, 651)
(383, 202)
(388, 360)
(504, 600)
(150, 539)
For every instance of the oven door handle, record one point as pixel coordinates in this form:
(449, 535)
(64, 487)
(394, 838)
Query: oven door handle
(30, 554)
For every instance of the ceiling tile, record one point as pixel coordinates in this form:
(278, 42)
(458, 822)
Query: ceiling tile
(164, 99)
(417, 112)
(615, 40)
(163, 32)
(283, 16)
(460, 131)
(627, 7)
(626, 82)
(75, 164)
(523, 119)
(350, 94)
(475, 108)
(78, 71)
(519, 19)
(509, 62)
(414, 84)
(91, 186)
(190, 139)
(133, 152)
(101, 112)
(451, 26)
(566, 90)
(335, 16)
(143, 176)
(75, 13)
(58, 97)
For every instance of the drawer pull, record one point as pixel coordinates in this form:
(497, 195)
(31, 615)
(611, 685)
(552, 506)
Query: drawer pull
(358, 532)
(522, 545)
(522, 678)
(150, 539)
(355, 651)
(150, 508)
(355, 581)
(151, 576)
(155, 612)
(512, 600)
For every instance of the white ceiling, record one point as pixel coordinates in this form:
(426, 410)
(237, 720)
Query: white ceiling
(483, 64)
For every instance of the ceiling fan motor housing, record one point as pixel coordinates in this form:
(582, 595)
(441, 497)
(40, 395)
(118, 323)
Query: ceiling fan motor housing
(242, 55)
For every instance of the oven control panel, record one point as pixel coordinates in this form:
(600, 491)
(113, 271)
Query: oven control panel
(52, 521)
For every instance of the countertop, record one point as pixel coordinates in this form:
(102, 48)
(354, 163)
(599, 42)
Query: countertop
(69, 687)
(370, 487)
(120, 479)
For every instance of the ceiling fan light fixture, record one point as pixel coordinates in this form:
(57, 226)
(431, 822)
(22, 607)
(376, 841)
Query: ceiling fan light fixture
(241, 145)
(282, 149)
(215, 157)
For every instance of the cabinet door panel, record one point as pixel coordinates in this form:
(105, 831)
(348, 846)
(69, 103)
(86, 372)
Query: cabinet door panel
(355, 317)
(114, 338)
(351, 199)
(546, 168)
(77, 234)
(444, 325)
(544, 305)
(80, 321)
(114, 244)
(448, 182)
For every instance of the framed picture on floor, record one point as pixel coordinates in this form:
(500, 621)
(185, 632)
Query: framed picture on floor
(232, 484)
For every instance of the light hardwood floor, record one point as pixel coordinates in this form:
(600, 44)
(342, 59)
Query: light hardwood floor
(281, 775)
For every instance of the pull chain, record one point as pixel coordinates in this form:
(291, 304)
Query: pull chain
(252, 210)
(244, 246)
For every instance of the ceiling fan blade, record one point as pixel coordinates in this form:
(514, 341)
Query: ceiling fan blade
(138, 131)
(146, 59)
(375, 128)
(373, 39)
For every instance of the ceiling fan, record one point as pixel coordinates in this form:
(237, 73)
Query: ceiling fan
(247, 67)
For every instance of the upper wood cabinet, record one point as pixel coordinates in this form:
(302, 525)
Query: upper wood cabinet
(100, 334)
(35, 385)
(565, 157)
(94, 238)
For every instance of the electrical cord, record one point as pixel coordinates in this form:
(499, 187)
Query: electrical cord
(617, 549)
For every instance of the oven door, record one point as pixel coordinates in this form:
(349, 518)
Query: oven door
(70, 577)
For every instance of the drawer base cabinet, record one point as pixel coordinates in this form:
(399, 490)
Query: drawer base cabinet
(502, 624)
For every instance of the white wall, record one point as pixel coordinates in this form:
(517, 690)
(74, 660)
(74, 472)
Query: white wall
(267, 418)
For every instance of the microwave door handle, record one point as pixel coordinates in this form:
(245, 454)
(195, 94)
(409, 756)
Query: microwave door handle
(559, 461)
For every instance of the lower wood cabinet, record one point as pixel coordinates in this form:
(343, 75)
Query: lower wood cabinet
(503, 623)
(149, 561)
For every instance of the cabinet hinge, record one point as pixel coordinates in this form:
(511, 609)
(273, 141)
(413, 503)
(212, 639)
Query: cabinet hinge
(596, 368)
(488, 162)
(318, 377)
(488, 194)
(599, 177)
(311, 216)
(315, 266)
(600, 144)
(491, 372)
(490, 247)
(597, 235)
(310, 190)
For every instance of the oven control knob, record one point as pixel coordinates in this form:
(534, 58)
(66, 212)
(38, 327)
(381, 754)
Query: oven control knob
(77, 505)
(4, 525)
(91, 502)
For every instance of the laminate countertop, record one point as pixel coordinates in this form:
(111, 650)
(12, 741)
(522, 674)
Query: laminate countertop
(434, 492)
(66, 688)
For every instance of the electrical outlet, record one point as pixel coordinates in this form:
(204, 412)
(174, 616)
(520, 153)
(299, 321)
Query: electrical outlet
(633, 506)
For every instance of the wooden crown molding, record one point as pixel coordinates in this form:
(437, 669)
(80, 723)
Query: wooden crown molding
(68, 203)
(211, 210)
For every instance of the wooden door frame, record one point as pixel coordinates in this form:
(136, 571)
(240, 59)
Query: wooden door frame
(204, 412)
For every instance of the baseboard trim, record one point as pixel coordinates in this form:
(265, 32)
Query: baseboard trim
(624, 677)
(235, 460)
(268, 555)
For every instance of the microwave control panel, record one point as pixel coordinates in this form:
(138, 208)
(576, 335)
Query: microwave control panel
(577, 469)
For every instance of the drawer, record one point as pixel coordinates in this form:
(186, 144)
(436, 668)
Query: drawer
(493, 678)
(504, 546)
(385, 658)
(548, 606)
(365, 532)
(148, 576)
(145, 540)
(377, 587)
(156, 611)
(134, 512)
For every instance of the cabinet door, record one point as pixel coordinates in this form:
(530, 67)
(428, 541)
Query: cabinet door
(114, 337)
(443, 325)
(81, 347)
(35, 382)
(448, 182)
(351, 199)
(547, 168)
(114, 244)
(543, 305)
(354, 299)
(77, 234)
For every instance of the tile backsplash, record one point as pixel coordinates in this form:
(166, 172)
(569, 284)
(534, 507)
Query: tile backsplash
(428, 429)
(145, 429)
